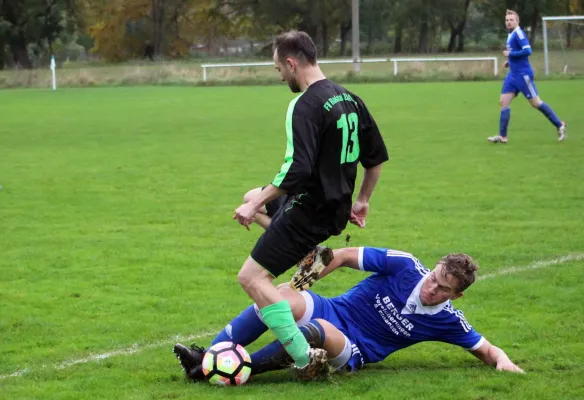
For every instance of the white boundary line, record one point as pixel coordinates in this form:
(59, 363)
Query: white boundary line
(137, 348)
(122, 352)
(535, 265)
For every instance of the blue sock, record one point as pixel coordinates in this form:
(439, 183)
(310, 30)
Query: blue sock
(271, 357)
(244, 329)
(504, 121)
(274, 357)
(550, 114)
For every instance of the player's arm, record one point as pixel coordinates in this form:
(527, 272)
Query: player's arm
(269, 193)
(301, 150)
(369, 259)
(347, 257)
(370, 179)
(373, 155)
(247, 212)
(524, 44)
(494, 356)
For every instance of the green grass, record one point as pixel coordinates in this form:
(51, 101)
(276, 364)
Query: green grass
(116, 231)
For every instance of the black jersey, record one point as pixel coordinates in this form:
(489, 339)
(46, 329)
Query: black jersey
(329, 131)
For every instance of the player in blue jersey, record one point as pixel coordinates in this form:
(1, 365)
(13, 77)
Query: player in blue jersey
(402, 303)
(520, 79)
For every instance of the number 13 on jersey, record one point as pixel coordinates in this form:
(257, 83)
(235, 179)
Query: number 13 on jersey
(349, 124)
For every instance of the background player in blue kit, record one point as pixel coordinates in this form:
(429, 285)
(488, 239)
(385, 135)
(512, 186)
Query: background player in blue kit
(520, 79)
(402, 303)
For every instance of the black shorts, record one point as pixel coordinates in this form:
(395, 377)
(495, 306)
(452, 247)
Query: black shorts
(273, 206)
(291, 235)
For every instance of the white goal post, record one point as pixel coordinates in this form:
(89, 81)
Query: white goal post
(545, 35)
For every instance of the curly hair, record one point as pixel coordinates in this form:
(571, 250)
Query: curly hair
(462, 267)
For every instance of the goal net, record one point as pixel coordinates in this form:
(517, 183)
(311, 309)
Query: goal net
(563, 45)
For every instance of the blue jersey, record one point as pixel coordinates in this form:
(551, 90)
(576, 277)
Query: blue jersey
(517, 42)
(384, 313)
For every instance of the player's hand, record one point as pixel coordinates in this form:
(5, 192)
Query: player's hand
(509, 366)
(359, 213)
(506, 53)
(245, 214)
(506, 64)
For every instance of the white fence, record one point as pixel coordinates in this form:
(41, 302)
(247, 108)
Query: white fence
(395, 62)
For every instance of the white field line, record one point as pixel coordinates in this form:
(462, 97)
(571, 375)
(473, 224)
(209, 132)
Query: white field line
(122, 352)
(535, 265)
(137, 348)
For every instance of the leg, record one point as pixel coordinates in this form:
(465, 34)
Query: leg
(243, 329)
(262, 220)
(246, 328)
(288, 239)
(257, 283)
(505, 117)
(505, 102)
(530, 92)
(320, 334)
(275, 311)
(508, 93)
(251, 194)
(546, 110)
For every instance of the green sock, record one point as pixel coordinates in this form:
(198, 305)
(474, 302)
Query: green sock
(278, 317)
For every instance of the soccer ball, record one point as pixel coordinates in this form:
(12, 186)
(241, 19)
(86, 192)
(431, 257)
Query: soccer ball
(227, 363)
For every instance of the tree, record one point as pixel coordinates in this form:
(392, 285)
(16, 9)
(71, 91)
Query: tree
(15, 20)
(457, 22)
(109, 23)
(40, 22)
(374, 20)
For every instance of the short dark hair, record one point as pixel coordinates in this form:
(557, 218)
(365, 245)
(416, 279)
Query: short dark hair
(296, 44)
(462, 267)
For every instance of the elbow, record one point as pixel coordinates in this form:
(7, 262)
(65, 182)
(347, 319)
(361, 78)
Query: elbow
(373, 168)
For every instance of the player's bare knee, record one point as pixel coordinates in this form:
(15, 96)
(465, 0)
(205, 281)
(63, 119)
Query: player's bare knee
(536, 103)
(334, 342)
(283, 287)
(247, 279)
(248, 196)
(327, 326)
(287, 292)
(295, 299)
(251, 194)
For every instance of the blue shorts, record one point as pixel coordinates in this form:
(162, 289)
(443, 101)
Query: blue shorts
(517, 82)
(324, 308)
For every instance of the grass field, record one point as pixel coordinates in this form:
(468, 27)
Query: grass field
(117, 238)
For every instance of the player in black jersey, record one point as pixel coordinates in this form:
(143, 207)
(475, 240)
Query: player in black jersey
(329, 131)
